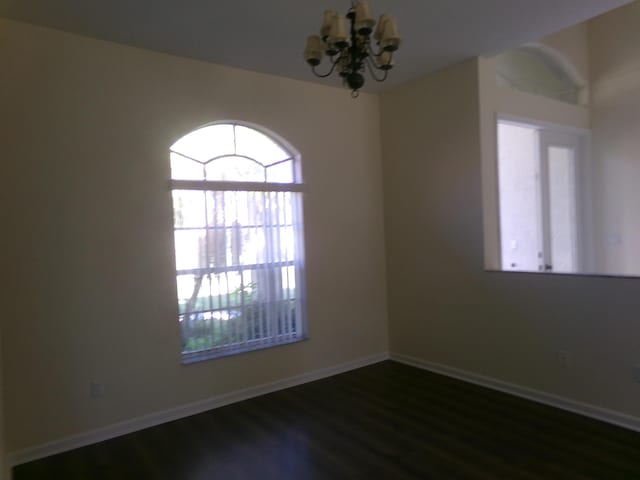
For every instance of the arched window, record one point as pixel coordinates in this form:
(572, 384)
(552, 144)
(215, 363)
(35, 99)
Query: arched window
(238, 241)
(540, 70)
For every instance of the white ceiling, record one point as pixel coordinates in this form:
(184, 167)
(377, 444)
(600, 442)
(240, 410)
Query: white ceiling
(268, 36)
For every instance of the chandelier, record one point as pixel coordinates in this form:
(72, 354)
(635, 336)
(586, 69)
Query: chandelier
(347, 43)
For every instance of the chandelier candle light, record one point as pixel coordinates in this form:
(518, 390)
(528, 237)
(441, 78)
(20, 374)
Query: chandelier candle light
(350, 50)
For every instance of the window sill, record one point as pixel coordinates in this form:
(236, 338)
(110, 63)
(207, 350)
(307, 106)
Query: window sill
(195, 357)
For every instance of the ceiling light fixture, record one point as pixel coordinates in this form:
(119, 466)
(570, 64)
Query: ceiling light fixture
(350, 50)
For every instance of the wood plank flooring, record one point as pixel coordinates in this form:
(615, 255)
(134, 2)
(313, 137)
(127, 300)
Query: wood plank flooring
(386, 421)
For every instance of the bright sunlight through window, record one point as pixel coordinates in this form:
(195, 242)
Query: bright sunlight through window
(238, 241)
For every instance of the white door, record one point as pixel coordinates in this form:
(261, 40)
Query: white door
(559, 154)
(519, 194)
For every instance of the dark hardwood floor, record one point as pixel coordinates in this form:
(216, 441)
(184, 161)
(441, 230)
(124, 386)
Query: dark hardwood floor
(386, 421)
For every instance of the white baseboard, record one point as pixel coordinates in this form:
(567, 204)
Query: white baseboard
(157, 418)
(592, 411)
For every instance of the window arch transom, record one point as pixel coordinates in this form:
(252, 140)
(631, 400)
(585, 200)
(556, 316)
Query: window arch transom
(232, 152)
(540, 70)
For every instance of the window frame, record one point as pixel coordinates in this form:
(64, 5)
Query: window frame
(296, 188)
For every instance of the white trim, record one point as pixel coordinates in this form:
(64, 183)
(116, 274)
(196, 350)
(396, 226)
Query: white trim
(157, 418)
(592, 411)
(540, 124)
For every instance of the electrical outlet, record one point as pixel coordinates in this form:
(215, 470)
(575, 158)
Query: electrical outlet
(96, 390)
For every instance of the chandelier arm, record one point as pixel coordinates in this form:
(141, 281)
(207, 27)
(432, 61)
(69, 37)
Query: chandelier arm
(372, 51)
(333, 67)
(375, 66)
(372, 70)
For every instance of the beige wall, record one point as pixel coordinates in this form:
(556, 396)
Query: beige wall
(444, 307)
(433, 211)
(4, 468)
(615, 72)
(572, 43)
(86, 127)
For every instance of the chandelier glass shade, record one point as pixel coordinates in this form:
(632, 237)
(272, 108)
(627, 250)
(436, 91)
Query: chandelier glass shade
(347, 42)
